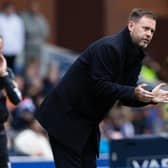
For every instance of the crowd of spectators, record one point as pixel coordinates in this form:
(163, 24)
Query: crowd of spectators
(24, 34)
(26, 136)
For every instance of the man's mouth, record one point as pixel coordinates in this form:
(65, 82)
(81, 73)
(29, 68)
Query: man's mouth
(146, 41)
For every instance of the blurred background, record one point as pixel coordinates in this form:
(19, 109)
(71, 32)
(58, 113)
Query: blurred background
(74, 25)
(47, 36)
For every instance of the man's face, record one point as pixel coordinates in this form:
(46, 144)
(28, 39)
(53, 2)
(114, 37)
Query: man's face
(142, 31)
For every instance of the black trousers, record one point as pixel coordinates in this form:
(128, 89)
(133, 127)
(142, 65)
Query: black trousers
(67, 158)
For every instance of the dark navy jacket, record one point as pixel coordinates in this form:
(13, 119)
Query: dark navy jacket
(105, 72)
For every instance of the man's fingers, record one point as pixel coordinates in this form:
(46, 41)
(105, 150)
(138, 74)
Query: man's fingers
(142, 85)
(164, 101)
(159, 86)
(145, 92)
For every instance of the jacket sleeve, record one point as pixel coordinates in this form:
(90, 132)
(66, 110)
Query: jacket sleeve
(104, 73)
(12, 91)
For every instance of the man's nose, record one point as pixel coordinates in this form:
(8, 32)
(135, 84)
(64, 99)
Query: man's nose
(149, 33)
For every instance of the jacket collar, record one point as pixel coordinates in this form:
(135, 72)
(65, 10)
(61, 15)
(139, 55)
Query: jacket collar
(132, 50)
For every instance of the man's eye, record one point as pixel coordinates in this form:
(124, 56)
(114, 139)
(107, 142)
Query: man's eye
(146, 28)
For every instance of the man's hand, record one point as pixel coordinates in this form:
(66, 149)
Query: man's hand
(143, 95)
(3, 65)
(160, 95)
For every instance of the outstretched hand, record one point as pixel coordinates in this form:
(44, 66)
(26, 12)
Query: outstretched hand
(3, 65)
(160, 95)
(142, 94)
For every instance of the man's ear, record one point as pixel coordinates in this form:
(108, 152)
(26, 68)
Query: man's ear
(131, 25)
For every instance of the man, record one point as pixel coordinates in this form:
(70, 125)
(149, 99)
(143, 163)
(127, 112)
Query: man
(105, 72)
(11, 28)
(36, 31)
(7, 89)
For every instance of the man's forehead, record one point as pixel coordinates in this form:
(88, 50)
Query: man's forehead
(147, 19)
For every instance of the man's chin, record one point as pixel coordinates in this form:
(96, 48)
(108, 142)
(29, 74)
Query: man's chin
(144, 45)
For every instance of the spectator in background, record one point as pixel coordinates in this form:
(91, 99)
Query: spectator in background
(23, 115)
(52, 77)
(9, 90)
(117, 124)
(12, 30)
(37, 145)
(141, 122)
(36, 30)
